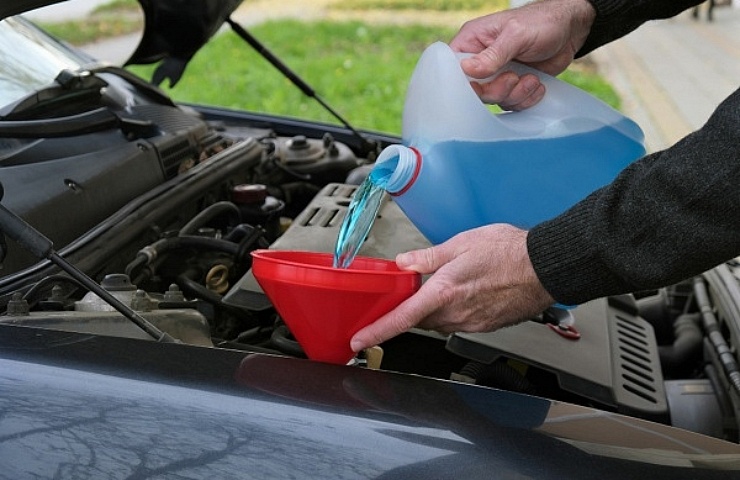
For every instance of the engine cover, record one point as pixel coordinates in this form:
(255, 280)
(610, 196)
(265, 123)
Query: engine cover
(614, 362)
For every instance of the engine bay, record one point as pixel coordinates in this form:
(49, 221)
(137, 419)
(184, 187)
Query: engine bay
(163, 204)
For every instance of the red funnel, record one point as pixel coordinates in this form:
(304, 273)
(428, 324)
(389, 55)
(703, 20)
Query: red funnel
(324, 306)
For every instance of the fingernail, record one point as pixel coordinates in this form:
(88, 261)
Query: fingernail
(403, 259)
(471, 63)
(356, 345)
(511, 82)
(530, 84)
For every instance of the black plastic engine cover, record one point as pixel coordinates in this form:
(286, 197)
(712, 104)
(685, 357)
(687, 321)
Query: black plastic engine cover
(615, 361)
(64, 186)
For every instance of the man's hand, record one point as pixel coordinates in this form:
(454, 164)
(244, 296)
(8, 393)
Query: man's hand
(483, 280)
(545, 35)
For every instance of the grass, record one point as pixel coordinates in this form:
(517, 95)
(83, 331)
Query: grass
(437, 5)
(360, 69)
(117, 17)
(118, 6)
(583, 76)
(80, 33)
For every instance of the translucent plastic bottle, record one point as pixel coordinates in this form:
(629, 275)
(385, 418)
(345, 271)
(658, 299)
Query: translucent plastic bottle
(461, 166)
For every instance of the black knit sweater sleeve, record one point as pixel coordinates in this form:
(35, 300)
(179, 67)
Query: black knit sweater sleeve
(671, 215)
(616, 18)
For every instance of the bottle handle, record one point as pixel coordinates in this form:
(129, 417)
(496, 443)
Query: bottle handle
(557, 105)
(554, 88)
(441, 105)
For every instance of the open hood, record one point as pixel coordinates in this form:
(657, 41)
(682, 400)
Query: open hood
(174, 30)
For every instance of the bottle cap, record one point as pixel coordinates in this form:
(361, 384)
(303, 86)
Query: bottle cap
(249, 193)
(404, 163)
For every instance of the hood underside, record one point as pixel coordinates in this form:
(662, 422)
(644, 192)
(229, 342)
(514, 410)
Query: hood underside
(174, 30)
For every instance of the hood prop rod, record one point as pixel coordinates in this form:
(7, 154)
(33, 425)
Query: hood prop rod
(39, 245)
(296, 80)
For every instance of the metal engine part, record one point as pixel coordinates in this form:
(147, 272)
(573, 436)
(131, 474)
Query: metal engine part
(170, 313)
(311, 156)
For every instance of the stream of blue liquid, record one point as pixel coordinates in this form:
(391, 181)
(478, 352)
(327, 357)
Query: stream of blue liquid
(360, 217)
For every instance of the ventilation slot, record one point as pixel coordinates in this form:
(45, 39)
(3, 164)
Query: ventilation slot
(636, 367)
(308, 216)
(320, 217)
(640, 393)
(640, 371)
(629, 335)
(174, 155)
(340, 190)
(640, 356)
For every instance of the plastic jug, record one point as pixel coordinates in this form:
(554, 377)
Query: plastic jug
(462, 166)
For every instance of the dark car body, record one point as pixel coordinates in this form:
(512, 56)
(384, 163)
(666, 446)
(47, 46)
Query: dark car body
(144, 196)
(85, 406)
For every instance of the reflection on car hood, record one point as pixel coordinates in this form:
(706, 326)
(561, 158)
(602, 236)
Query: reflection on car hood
(273, 416)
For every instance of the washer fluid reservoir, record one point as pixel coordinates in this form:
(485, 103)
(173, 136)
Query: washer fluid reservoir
(461, 166)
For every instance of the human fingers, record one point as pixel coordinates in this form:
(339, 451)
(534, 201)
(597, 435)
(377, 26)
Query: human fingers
(425, 260)
(544, 35)
(505, 42)
(510, 91)
(410, 312)
(401, 319)
(523, 97)
(487, 285)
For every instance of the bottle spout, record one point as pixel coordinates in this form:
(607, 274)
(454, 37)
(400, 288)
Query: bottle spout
(396, 168)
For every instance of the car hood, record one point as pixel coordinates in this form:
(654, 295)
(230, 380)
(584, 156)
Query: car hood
(174, 30)
(283, 415)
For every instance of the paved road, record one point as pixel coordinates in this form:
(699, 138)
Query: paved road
(671, 74)
(68, 10)
(252, 12)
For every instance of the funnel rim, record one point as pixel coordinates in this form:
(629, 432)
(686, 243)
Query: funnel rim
(323, 306)
(272, 255)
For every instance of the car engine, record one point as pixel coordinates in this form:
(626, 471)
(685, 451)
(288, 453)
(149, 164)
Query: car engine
(162, 204)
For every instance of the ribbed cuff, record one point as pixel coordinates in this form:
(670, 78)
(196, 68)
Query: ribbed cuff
(606, 8)
(566, 257)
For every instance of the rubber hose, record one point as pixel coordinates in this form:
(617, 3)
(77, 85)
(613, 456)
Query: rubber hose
(715, 336)
(156, 249)
(208, 214)
(191, 241)
(195, 289)
(686, 347)
(498, 375)
(280, 340)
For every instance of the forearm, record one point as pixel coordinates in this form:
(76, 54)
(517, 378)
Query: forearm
(669, 216)
(616, 18)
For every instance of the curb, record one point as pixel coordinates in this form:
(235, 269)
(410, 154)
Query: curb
(672, 74)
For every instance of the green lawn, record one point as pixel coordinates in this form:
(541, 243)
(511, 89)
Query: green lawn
(361, 70)
(117, 17)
